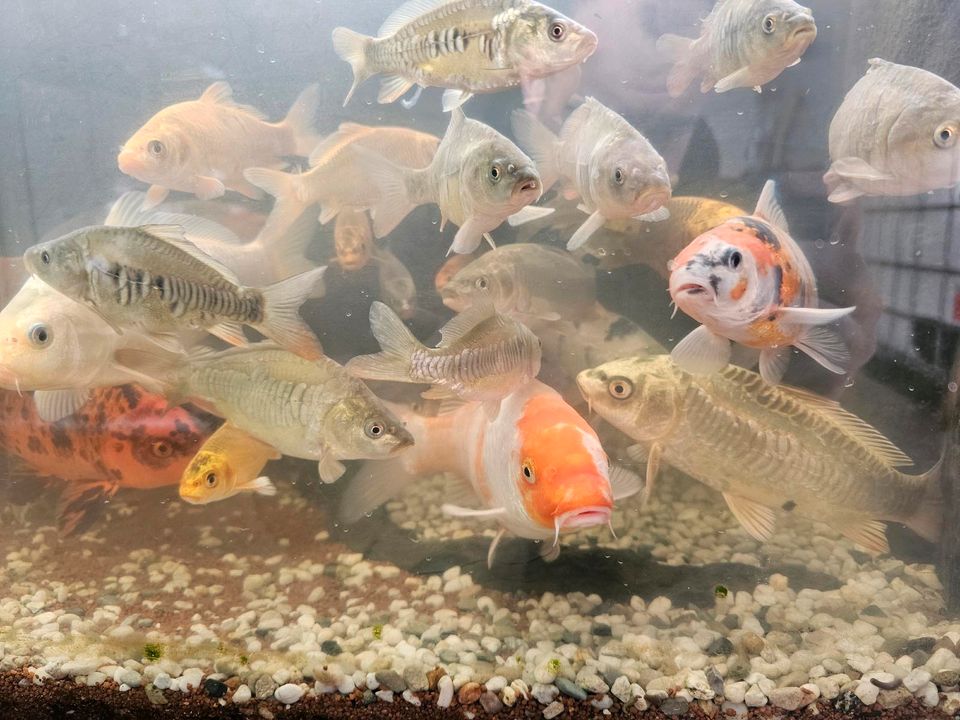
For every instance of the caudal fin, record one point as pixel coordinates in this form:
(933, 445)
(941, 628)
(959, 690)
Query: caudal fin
(352, 47)
(397, 344)
(541, 144)
(686, 65)
(285, 187)
(299, 120)
(281, 314)
(392, 201)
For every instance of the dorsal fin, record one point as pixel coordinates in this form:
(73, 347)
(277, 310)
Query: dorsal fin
(173, 234)
(220, 93)
(464, 322)
(864, 433)
(411, 11)
(769, 209)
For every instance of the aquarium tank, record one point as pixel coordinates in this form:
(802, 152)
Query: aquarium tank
(479, 358)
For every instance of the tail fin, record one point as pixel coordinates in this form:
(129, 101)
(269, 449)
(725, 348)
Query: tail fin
(686, 66)
(394, 202)
(927, 521)
(299, 120)
(397, 344)
(281, 314)
(537, 139)
(352, 47)
(285, 187)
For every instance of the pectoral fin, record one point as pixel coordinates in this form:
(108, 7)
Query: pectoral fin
(208, 188)
(653, 467)
(81, 502)
(624, 483)
(871, 535)
(702, 352)
(740, 78)
(758, 520)
(53, 405)
(330, 468)
(583, 233)
(453, 98)
(465, 512)
(773, 364)
(528, 214)
(468, 236)
(658, 215)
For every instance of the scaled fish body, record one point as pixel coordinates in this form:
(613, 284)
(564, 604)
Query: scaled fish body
(334, 180)
(537, 467)
(604, 160)
(397, 288)
(764, 448)
(122, 437)
(895, 133)
(466, 46)
(526, 281)
(310, 410)
(748, 281)
(477, 177)
(743, 43)
(482, 355)
(154, 279)
(229, 463)
(203, 146)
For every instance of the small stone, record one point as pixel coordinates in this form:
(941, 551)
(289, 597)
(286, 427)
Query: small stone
(124, 676)
(621, 689)
(469, 693)
(331, 647)
(893, 698)
(391, 680)
(445, 695)
(242, 695)
(288, 693)
(942, 659)
(699, 686)
(570, 689)
(921, 643)
(885, 680)
(409, 696)
(715, 680)
(543, 693)
(951, 703)
(368, 698)
(735, 692)
(491, 703)
(154, 694)
(214, 688)
(674, 706)
(916, 679)
(588, 679)
(928, 695)
(553, 709)
(787, 698)
(385, 695)
(754, 697)
(496, 683)
(416, 678)
(946, 678)
(162, 681)
(720, 646)
(752, 643)
(264, 687)
(509, 696)
(733, 711)
(449, 656)
(601, 630)
(847, 702)
(604, 702)
(867, 692)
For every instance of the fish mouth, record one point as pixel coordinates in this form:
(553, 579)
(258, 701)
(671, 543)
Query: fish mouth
(527, 186)
(583, 517)
(651, 200)
(404, 440)
(692, 288)
(588, 43)
(128, 163)
(805, 30)
(191, 497)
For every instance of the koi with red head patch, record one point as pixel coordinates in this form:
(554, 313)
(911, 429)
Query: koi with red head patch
(748, 281)
(537, 467)
(121, 437)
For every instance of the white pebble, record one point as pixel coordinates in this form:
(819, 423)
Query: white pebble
(241, 695)
(445, 696)
(754, 697)
(411, 698)
(162, 681)
(867, 692)
(928, 695)
(916, 679)
(385, 695)
(288, 693)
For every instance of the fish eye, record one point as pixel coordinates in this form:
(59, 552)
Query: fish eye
(945, 136)
(618, 176)
(39, 334)
(481, 283)
(495, 173)
(735, 259)
(210, 480)
(620, 388)
(557, 31)
(161, 448)
(374, 429)
(155, 148)
(527, 471)
(769, 24)
(45, 257)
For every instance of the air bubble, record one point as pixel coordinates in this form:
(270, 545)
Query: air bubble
(724, 195)
(849, 382)
(261, 49)
(819, 244)
(952, 387)
(834, 241)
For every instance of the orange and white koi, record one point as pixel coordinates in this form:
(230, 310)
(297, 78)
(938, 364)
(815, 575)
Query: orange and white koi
(537, 467)
(748, 281)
